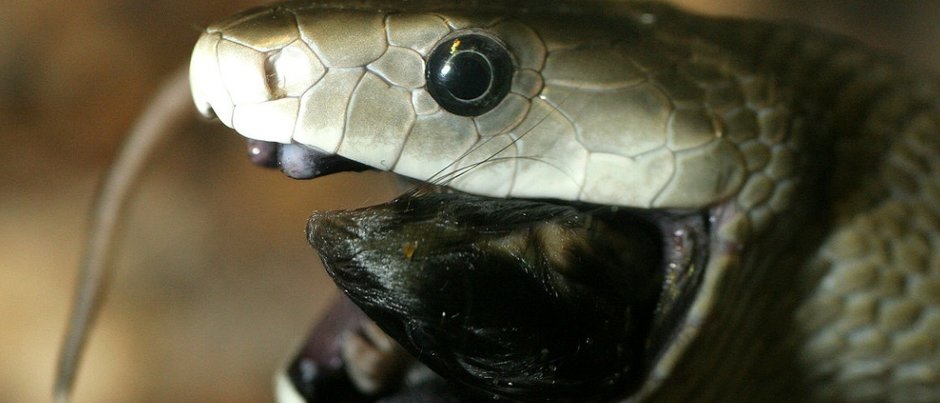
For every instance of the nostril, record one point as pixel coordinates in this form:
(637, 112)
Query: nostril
(274, 78)
(291, 70)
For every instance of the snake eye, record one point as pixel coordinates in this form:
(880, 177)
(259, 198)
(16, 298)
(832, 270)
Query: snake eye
(468, 74)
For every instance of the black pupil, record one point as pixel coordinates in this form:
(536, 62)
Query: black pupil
(467, 75)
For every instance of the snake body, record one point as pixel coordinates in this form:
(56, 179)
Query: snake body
(814, 160)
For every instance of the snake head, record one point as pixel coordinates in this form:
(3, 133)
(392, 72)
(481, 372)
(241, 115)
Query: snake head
(606, 105)
(529, 102)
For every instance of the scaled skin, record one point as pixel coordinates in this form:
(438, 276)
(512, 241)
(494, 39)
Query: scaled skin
(816, 160)
(353, 82)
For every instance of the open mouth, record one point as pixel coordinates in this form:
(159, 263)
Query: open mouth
(518, 298)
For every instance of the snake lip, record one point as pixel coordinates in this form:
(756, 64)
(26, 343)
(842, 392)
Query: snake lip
(528, 299)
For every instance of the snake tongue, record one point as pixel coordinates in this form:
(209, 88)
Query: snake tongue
(298, 161)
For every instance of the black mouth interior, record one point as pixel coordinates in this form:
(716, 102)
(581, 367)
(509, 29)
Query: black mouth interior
(528, 300)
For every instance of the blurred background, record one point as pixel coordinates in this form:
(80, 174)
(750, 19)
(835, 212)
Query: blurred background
(215, 285)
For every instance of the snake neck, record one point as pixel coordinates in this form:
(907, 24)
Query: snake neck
(870, 114)
(864, 130)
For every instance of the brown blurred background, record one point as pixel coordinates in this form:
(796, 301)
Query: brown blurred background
(215, 285)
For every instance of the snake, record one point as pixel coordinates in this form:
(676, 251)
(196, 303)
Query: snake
(612, 201)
